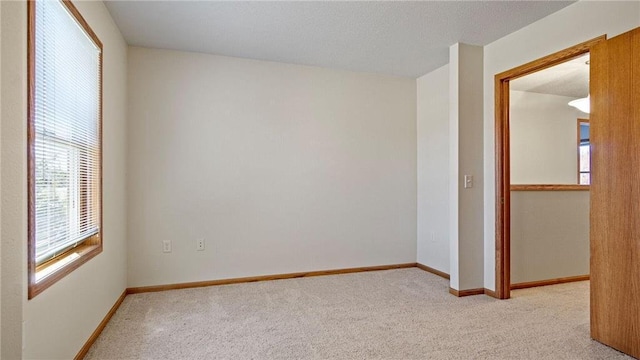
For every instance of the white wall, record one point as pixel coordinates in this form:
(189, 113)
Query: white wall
(433, 169)
(281, 168)
(465, 158)
(58, 321)
(543, 137)
(549, 235)
(13, 182)
(555, 32)
(0, 186)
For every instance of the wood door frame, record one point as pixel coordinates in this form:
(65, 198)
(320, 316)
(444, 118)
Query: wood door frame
(502, 170)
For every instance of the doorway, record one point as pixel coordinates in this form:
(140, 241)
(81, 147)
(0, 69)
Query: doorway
(503, 158)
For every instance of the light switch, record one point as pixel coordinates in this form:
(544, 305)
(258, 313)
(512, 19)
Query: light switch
(468, 181)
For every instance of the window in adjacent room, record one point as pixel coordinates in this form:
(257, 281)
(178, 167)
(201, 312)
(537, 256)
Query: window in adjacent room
(65, 142)
(584, 153)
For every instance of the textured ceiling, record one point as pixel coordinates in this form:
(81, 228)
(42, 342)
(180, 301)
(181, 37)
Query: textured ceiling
(395, 37)
(570, 78)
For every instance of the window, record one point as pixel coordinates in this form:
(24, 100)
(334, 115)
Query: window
(584, 153)
(65, 142)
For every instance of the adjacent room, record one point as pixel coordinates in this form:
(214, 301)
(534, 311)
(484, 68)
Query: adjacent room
(549, 170)
(319, 179)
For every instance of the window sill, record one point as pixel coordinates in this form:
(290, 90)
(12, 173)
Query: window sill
(52, 271)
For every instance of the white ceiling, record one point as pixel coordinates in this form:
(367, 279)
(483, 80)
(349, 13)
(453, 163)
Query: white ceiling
(388, 37)
(570, 78)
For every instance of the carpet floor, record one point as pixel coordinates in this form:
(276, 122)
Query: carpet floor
(393, 314)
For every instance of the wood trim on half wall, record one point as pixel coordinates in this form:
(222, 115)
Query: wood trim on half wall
(549, 187)
(502, 171)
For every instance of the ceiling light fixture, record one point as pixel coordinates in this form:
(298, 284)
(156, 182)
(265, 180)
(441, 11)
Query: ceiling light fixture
(583, 104)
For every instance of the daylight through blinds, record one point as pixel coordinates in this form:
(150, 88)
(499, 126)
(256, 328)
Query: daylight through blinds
(66, 121)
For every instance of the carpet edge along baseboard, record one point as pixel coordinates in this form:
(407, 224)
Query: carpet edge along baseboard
(196, 284)
(94, 336)
(433, 271)
(136, 290)
(557, 281)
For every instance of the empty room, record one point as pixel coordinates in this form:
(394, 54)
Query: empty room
(319, 179)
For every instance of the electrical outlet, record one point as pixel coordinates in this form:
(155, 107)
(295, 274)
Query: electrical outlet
(200, 244)
(166, 246)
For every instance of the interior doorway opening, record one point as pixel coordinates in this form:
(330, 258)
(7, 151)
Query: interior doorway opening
(503, 156)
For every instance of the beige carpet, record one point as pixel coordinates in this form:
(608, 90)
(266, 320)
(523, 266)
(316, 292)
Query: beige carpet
(395, 314)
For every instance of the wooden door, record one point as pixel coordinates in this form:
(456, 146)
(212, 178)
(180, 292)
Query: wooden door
(615, 192)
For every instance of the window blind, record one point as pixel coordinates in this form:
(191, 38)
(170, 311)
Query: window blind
(66, 123)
